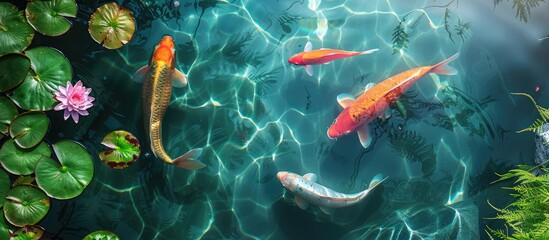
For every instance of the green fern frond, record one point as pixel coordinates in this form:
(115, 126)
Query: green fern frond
(447, 24)
(413, 147)
(543, 112)
(400, 37)
(524, 6)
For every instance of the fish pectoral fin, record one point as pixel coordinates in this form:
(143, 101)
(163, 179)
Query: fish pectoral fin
(311, 177)
(345, 99)
(369, 86)
(378, 178)
(364, 136)
(308, 47)
(328, 211)
(386, 115)
(179, 80)
(309, 70)
(301, 203)
(140, 74)
(189, 160)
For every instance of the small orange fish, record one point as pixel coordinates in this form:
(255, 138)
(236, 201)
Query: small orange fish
(322, 56)
(375, 100)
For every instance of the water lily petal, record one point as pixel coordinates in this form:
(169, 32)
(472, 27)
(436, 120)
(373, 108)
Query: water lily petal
(66, 114)
(59, 106)
(75, 116)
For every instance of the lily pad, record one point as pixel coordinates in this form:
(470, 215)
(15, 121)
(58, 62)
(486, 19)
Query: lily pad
(50, 69)
(8, 111)
(101, 235)
(112, 25)
(15, 33)
(124, 149)
(20, 161)
(24, 180)
(28, 129)
(4, 229)
(26, 205)
(4, 188)
(69, 179)
(48, 17)
(13, 69)
(30, 232)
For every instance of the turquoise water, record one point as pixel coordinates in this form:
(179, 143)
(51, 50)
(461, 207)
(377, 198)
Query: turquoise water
(256, 115)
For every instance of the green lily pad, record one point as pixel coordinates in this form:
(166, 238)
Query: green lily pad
(101, 235)
(21, 161)
(4, 229)
(28, 129)
(15, 33)
(26, 205)
(69, 179)
(30, 232)
(23, 180)
(4, 187)
(13, 70)
(124, 149)
(48, 17)
(112, 25)
(50, 69)
(8, 111)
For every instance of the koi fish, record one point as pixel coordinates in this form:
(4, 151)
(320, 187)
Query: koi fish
(159, 75)
(322, 56)
(307, 191)
(375, 101)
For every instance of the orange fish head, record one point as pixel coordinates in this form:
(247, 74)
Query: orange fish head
(296, 59)
(165, 50)
(342, 125)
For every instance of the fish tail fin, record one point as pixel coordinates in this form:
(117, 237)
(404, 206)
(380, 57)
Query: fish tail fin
(189, 160)
(443, 68)
(369, 51)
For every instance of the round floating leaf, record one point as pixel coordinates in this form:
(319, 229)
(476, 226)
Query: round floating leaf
(101, 235)
(48, 17)
(26, 205)
(8, 111)
(15, 33)
(112, 25)
(28, 129)
(50, 69)
(20, 161)
(124, 149)
(13, 70)
(4, 188)
(69, 179)
(23, 180)
(4, 229)
(30, 232)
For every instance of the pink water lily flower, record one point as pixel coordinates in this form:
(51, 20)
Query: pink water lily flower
(75, 100)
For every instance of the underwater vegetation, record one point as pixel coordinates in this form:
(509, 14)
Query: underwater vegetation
(526, 217)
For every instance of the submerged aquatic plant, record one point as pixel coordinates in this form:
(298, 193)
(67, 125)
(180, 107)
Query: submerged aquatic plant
(447, 24)
(523, 7)
(74, 100)
(400, 37)
(538, 123)
(413, 147)
(462, 28)
(526, 216)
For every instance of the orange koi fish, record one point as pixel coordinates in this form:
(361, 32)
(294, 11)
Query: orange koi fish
(375, 100)
(312, 57)
(158, 77)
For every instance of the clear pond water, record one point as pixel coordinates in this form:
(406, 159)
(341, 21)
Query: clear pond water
(255, 115)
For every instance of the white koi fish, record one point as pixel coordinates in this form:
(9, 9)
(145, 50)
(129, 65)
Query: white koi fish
(307, 191)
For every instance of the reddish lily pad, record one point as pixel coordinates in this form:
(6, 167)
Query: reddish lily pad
(124, 149)
(112, 25)
(30, 232)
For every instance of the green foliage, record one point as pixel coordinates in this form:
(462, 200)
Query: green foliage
(527, 217)
(413, 147)
(447, 24)
(400, 37)
(523, 7)
(543, 112)
(461, 29)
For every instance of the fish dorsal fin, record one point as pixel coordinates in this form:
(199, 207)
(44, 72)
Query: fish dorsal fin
(364, 136)
(140, 74)
(179, 80)
(345, 99)
(311, 177)
(309, 70)
(369, 86)
(301, 203)
(308, 47)
(328, 211)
